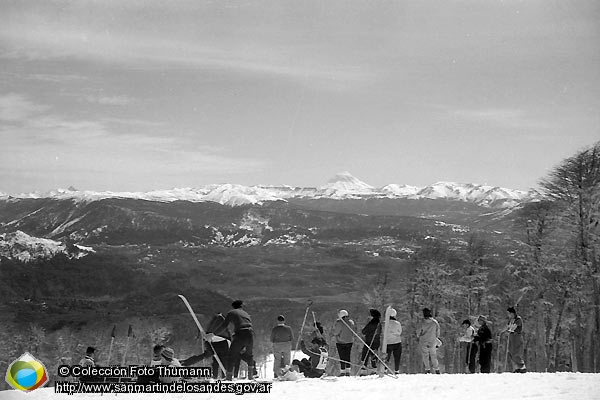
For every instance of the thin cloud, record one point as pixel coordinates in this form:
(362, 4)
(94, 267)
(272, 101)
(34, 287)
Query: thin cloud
(34, 38)
(507, 117)
(60, 145)
(15, 107)
(111, 100)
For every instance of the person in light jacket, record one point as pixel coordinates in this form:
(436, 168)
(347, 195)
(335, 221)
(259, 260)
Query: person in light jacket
(394, 341)
(428, 334)
(469, 345)
(342, 334)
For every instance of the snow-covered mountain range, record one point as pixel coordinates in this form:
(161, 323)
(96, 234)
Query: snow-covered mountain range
(342, 186)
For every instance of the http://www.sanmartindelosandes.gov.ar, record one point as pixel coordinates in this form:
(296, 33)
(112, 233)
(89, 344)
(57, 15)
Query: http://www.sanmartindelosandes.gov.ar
(26, 373)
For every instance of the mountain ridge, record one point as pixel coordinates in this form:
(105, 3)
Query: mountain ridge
(342, 186)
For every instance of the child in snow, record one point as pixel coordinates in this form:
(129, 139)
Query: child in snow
(168, 360)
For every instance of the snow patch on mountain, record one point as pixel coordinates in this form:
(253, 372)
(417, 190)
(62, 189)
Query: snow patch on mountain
(20, 246)
(236, 195)
(400, 190)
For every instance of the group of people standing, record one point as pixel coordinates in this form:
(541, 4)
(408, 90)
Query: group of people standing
(229, 349)
(479, 342)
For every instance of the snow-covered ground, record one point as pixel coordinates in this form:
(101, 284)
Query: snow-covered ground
(537, 386)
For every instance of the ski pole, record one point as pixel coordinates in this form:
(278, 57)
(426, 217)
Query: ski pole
(507, 347)
(363, 342)
(497, 353)
(302, 328)
(367, 354)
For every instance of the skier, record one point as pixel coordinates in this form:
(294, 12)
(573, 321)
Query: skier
(343, 335)
(219, 340)
(243, 339)
(515, 340)
(282, 338)
(168, 359)
(394, 340)
(372, 335)
(88, 359)
(314, 367)
(469, 345)
(429, 333)
(483, 338)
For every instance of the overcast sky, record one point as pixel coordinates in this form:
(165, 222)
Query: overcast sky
(141, 95)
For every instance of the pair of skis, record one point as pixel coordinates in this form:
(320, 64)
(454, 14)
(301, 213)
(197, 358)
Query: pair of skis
(203, 333)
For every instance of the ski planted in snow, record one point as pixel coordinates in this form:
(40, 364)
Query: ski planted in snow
(384, 340)
(202, 332)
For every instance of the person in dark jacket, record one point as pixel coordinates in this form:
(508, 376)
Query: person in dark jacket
(483, 338)
(372, 335)
(282, 338)
(219, 340)
(515, 340)
(243, 339)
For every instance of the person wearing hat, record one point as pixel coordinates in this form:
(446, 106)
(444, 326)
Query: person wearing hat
(88, 359)
(168, 360)
(282, 338)
(242, 341)
(394, 341)
(343, 335)
(372, 335)
(469, 345)
(429, 333)
(515, 340)
(483, 338)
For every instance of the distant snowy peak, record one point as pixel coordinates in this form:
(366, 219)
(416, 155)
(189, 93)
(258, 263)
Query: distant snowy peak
(237, 195)
(480, 194)
(20, 246)
(342, 186)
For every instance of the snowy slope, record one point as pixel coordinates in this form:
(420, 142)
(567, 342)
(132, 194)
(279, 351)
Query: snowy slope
(20, 246)
(530, 386)
(342, 186)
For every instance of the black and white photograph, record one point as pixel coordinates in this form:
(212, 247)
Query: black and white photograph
(291, 199)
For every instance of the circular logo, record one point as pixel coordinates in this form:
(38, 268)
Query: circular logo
(26, 373)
